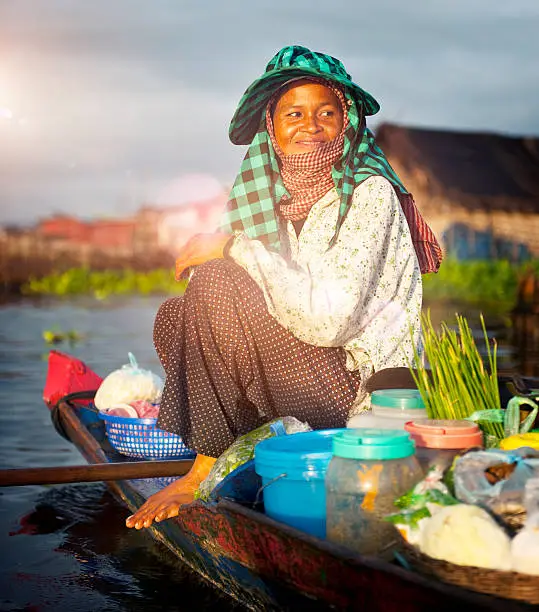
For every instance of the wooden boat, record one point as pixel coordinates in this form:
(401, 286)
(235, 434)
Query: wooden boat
(267, 565)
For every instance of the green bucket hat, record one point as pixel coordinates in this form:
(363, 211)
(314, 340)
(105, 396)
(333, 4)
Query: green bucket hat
(289, 63)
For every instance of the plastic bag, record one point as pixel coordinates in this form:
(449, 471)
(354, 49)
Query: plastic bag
(137, 409)
(424, 500)
(466, 535)
(495, 479)
(243, 450)
(67, 374)
(510, 417)
(128, 384)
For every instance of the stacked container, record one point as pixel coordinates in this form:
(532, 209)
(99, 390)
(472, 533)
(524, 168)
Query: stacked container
(391, 409)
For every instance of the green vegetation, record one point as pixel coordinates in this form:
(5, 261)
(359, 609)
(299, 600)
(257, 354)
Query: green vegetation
(457, 383)
(56, 336)
(491, 284)
(102, 284)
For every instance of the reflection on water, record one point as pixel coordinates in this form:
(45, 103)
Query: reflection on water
(67, 546)
(525, 336)
(111, 566)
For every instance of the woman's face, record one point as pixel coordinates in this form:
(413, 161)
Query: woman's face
(306, 116)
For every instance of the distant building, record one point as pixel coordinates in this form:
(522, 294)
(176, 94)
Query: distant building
(113, 235)
(148, 239)
(63, 227)
(152, 228)
(478, 191)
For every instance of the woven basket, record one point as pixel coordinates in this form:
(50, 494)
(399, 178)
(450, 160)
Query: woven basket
(511, 585)
(141, 438)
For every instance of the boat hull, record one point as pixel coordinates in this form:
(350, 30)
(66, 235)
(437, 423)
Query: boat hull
(269, 566)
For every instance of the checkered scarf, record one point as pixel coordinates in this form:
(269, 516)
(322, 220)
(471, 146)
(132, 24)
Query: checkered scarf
(306, 176)
(259, 188)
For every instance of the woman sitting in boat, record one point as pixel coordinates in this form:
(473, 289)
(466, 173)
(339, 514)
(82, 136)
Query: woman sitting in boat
(311, 284)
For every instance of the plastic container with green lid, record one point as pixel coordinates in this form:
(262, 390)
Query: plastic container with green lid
(391, 409)
(373, 444)
(439, 441)
(368, 470)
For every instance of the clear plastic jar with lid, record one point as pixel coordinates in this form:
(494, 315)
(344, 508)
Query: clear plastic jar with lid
(438, 441)
(391, 409)
(368, 470)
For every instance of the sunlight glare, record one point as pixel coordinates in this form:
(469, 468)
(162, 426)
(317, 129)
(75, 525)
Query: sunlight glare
(6, 113)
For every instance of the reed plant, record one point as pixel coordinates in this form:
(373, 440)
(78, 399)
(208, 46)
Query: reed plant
(456, 383)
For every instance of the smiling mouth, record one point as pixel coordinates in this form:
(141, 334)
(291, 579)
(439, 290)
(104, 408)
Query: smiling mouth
(310, 143)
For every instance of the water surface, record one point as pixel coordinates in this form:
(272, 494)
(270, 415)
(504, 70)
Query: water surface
(65, 547)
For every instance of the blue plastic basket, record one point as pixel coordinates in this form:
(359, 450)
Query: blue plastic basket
(140, 438)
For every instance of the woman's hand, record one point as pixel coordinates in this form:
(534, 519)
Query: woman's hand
(200, 249)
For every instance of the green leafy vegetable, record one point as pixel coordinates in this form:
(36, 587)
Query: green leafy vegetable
(457, 383)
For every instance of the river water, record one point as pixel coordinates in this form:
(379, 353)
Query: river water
(66, 547)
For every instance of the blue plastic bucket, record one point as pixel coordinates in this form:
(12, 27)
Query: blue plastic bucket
(293, 469)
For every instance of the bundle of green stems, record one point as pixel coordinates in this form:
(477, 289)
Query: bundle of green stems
(456, 382)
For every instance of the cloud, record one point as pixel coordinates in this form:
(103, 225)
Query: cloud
(102, 90)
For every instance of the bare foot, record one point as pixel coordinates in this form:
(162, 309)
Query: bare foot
(166, 503)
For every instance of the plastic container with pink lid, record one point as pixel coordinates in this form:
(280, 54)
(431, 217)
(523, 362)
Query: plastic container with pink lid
(439, 441)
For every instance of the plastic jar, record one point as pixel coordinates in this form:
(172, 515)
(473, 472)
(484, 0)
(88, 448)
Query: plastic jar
(438, 441)
(391, 409)
(368, 470)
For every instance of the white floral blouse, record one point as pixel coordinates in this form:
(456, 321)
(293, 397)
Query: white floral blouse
(363, 294)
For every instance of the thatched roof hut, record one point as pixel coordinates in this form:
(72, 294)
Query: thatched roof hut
(485, 182)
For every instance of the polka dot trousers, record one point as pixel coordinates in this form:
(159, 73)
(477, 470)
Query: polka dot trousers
(231, 367)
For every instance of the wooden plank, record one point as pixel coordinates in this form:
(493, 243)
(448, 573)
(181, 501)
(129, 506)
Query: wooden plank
(94, 472)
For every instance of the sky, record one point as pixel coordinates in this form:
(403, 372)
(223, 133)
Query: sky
(109, 104)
